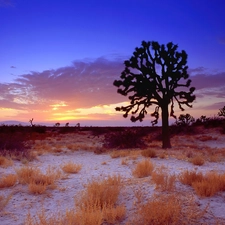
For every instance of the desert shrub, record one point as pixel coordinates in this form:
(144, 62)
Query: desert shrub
(124, 139)
(149, 153)
(14, 141)
(143, 169)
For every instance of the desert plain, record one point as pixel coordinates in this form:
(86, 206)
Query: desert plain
(73, 178)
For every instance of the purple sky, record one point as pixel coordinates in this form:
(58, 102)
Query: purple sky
(58, 59)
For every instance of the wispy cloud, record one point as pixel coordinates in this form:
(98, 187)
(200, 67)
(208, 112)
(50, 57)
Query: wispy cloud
(85, 90)
(83, 85)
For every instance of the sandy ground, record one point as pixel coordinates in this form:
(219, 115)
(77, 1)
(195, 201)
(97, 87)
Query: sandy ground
(96, 166)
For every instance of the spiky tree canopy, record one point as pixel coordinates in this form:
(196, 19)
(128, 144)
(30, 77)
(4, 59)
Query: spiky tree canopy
(155, 75)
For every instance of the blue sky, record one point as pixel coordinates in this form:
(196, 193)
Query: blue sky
(41, 38)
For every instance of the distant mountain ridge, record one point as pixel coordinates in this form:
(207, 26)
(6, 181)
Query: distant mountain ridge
(14, 122)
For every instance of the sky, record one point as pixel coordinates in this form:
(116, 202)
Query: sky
(58, 59)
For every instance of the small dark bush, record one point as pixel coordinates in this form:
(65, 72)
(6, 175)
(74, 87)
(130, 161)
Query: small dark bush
(39, 129)
(97, 131)
(129, 138)
(214, 122)
(15, 144)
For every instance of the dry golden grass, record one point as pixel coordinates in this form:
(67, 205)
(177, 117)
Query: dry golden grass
(210, 184)
(4, 162)
(71, 167)
(36, 180)
(125, 153)
(124, 162)
(95, 205)
(113, 215)
(100, 193)
(4, 201)
(26, 174)
(205, 185)
(198, 160)
(206, 138)
(188, 177)
(8, 180)
(163, 181)
(143, 169)
(37, 188)
(119, 153)
(168, 209)
(149, 153)
(72, 147)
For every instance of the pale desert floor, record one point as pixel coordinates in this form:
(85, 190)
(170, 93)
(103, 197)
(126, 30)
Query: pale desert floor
(99, 166)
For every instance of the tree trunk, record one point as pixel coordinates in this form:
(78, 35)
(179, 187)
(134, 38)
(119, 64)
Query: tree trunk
(165, 127)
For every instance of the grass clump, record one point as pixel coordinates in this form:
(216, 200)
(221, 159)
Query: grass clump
(189, 177)
(8, 180)
(149, 153)
(210, 184)
(143, 169)
(95, 205)
(198, 160)
(101, 193)
(4, 162)
(168, 209)
(163, 181)
(71, 167)
(37, 181)
(4, 201)
(205, 185)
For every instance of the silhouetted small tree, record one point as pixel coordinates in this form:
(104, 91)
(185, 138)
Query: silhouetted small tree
(222, 112)
(185, 120)
(57, 124)
(151, 77)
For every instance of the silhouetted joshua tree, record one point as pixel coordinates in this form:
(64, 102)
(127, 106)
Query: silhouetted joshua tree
(31, 122)
(151, 77)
